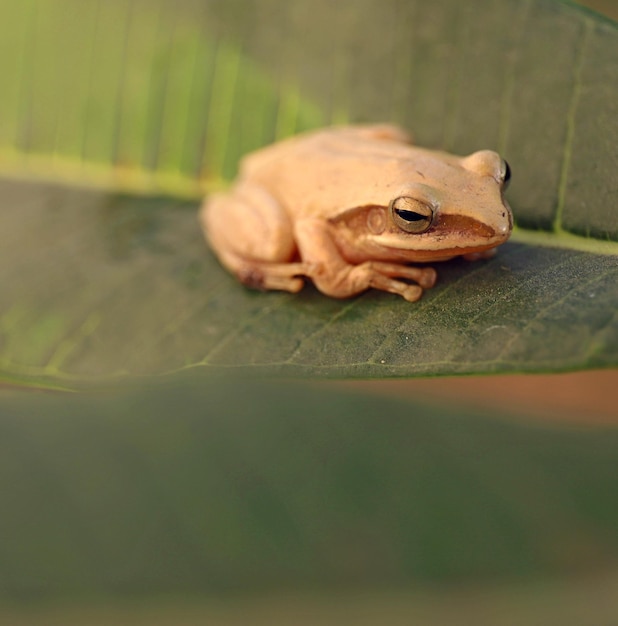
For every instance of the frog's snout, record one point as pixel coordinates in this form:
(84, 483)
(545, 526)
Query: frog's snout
(504, 225)
(503, 231)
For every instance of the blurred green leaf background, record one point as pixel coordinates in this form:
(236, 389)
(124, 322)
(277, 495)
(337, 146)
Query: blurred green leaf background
(185, 484)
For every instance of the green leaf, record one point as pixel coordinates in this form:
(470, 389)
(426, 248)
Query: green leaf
(156, 99)
(167, 96)
(198, 486)
(96, 286)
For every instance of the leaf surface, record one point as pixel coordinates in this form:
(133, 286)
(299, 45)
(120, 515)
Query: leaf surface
(98, 286)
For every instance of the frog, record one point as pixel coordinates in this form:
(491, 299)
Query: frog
(356, 207)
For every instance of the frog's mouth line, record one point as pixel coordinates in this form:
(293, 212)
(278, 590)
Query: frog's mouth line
(449, 233)
(461, 226)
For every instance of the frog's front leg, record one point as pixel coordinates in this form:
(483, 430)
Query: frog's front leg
(336, 277)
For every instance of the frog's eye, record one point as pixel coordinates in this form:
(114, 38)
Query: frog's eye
(411, 215)
(507, 175)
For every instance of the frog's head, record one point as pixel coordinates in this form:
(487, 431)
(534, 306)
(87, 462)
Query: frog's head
(450, 206)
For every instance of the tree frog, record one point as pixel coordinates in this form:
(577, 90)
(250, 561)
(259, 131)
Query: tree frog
(350, 207)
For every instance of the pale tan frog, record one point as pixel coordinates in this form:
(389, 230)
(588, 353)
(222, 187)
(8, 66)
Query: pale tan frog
(350, 207)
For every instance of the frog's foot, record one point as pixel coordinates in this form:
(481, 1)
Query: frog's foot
(279, 276)
(381, 275)
(263, 276)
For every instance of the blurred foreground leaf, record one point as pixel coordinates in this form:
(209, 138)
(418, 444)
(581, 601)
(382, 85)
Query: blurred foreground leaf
(200, 486)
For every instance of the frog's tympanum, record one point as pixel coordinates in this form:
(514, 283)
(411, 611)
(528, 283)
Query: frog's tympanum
(351, 207)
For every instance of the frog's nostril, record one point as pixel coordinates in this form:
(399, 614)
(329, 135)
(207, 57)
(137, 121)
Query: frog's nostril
(505, 226)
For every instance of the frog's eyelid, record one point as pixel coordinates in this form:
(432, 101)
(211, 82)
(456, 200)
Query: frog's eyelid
(421, 192)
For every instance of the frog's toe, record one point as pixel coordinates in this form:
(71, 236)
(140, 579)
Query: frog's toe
(412, 293)
(285, 276)
(293, 285)
(281, 283)
(427, 278)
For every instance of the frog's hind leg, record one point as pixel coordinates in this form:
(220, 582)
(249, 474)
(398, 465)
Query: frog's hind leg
(263, 276)
(252, 237)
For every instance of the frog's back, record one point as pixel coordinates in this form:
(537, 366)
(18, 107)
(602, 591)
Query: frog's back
(322, 172)
(338, 143)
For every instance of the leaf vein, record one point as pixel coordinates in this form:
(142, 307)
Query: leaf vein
(570, 127)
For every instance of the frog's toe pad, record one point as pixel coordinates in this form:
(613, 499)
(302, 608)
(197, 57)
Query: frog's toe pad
(412, 293)
(427, 278)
